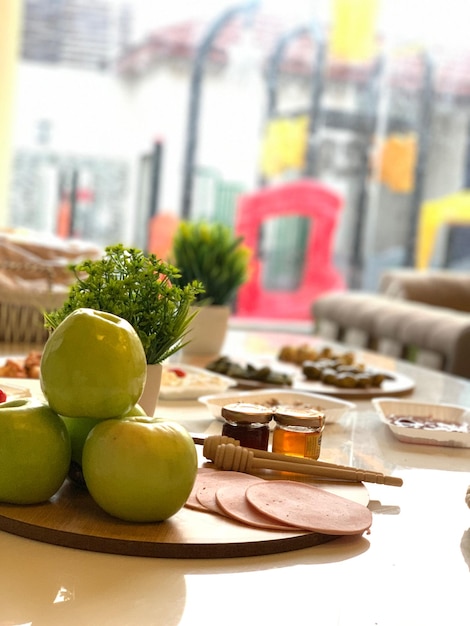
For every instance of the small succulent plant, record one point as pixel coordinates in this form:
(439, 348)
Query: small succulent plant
(213, 255)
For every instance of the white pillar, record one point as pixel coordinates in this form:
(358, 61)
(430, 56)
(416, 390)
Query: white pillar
(10, 24)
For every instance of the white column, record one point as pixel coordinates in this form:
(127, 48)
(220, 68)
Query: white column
(10, 24)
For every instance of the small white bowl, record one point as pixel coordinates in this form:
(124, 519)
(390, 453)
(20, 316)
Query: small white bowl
(436, 415)
(333, 408)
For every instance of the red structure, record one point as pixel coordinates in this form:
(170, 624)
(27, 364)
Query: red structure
(305, 198)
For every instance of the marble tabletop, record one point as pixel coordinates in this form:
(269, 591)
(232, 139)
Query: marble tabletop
(412, 569)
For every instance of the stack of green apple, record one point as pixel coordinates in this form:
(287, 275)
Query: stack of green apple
(93, 370)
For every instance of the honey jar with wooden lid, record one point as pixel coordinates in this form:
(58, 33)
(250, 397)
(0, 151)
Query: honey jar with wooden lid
(248, 423)
(298, 431)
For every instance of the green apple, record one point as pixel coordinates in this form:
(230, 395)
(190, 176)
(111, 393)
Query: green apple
(78, 429)
(34, 451)
(93, 365)
(139, 469)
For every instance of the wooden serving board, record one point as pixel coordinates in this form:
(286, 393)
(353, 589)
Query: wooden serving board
(72, 519)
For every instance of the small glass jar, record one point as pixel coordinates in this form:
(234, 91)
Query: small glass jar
(247, 423)
(298, 432)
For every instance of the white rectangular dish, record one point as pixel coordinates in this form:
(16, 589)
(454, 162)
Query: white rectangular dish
(333, 408)
(13, 392)
(425, 423)
(187, 382)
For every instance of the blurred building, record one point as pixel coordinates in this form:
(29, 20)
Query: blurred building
(93, 100)
(77, 33)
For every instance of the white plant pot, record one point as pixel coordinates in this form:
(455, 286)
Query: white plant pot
(207, 331)
(149, 398)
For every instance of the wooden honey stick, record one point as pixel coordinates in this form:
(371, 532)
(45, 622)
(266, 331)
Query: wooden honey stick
(211, 443)
(233, 457)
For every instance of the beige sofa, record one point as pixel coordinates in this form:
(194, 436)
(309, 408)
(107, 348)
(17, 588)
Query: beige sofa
(423, 316)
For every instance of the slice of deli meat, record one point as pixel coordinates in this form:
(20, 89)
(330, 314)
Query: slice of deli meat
(205, 478)
(308, 507)
(206, 492)
(192, 502)
(232, 500)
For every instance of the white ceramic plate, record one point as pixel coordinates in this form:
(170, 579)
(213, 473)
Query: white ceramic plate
(12, 392)
(332, 407)
(196, 382)
(433, 424)
(396, 385)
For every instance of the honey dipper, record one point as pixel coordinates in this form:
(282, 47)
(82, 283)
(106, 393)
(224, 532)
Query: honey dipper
(213, 441)
(233, 457)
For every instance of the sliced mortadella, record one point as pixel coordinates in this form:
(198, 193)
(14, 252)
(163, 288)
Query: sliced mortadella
(192, 502)
(206, 493)
(232, 500)
(308, 507)
(207, 482)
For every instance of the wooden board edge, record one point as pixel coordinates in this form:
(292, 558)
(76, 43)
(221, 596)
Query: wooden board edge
(160, 549)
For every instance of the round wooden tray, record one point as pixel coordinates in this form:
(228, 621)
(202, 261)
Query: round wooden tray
(72, 519)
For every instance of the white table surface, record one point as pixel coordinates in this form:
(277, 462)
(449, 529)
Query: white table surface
(411, 570)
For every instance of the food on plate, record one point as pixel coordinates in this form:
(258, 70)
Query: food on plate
(334, 372)
(273, 402)
(207, 489)
(304, 352)
(427, 423)
(339, 369)
(3, 396)
(281, 505)
(263, 374)
(179, 378)
(176, 372)
(32, 364)
(93, 365)
(139, 469)
(13, 368)
(34, 452)
(192, 502)
(22, 367)
(308, 507)
(232, 501)
(223, 493)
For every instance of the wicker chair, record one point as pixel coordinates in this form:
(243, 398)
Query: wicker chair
(34, 278)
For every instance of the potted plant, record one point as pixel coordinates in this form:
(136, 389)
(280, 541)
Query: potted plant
(140, 288)
(211, 254)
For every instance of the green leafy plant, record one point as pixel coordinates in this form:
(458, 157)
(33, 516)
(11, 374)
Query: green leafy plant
(140, 288)
(211, 254)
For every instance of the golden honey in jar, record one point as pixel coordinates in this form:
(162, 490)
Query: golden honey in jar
(248, 423)
(298, 432)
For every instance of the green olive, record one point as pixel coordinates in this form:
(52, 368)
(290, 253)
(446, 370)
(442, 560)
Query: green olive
(345, 380)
